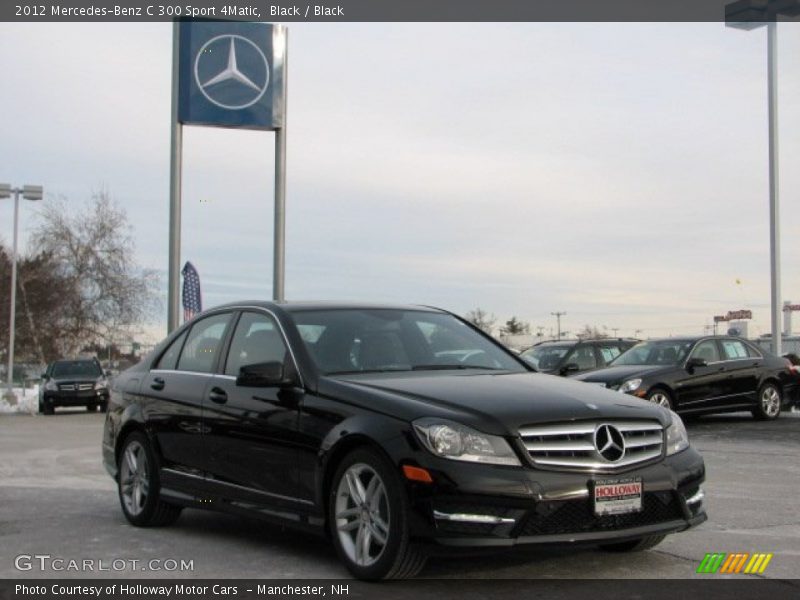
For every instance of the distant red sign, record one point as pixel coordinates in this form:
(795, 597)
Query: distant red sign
(792, 307)
(736, 315)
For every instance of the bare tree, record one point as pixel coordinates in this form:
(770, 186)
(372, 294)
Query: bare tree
(481, 319)
(93, 251)
(590, 332)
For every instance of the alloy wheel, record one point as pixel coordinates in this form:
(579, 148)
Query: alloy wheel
(770, 401)
(133, 477)
(362, 514)
(661, 399)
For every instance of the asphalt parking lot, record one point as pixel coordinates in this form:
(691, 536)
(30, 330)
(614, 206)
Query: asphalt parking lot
(56, 499)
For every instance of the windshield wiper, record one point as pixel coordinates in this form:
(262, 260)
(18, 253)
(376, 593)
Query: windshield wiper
(356, 371)
(456, 367)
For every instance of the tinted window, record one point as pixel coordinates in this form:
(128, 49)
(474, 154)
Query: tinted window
(584, 357)
(169, 359)
(256, 340)
(354, 340)
(609, 353)
(734, 349)
(76, 368)
(203, 343)
(707, 350)
(546, 356)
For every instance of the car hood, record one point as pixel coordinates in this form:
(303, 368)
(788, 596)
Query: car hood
(616, 375)
(493, 403)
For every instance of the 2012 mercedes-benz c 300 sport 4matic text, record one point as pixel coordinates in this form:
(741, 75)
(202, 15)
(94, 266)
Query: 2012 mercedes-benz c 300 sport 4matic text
(397, 431)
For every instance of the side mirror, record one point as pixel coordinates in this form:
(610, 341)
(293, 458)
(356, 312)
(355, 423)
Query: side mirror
(266, 374)
(570, 368)
(696, 362)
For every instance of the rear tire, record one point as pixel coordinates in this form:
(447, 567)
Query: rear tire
(139, 487)
(368, 517)
(639, 545)
(769, 402)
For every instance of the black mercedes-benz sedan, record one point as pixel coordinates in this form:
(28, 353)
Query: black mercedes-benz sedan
(699, 375)
(399, 432)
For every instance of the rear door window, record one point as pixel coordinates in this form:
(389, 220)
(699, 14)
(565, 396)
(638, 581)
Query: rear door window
(169, 359)
(202, 346)
(734, 350)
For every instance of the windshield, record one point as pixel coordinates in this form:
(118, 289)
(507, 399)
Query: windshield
(374, 340)
(665, 352)
(547, 357)
(76, 368)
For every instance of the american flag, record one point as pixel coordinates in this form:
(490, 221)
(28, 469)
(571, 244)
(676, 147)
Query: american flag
(192, 301)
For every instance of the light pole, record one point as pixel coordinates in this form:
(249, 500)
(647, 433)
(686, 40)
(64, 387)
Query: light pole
(747, 15)
(28, 192)
(558, 316)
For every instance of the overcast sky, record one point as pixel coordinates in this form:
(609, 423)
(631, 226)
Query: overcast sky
(617, 172)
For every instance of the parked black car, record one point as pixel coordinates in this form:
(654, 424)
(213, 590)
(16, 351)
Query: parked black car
(397, 431)
(78, 382)
(567, 357)
(698, 375)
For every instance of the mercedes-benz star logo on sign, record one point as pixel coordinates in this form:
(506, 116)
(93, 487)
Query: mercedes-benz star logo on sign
(609, 442)
(231, 72)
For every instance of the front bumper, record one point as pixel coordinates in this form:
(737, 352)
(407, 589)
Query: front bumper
(76, 398)
(485, 506)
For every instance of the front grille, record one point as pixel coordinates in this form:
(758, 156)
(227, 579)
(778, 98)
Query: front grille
(572, 445)
(71, 387)
(577, 516)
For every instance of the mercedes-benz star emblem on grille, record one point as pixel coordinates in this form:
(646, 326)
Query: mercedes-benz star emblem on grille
(237, 81)
(609, 442)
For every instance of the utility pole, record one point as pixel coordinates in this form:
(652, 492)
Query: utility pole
(558, 316)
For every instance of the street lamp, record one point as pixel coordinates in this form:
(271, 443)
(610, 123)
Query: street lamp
(28, 192)
(747, 15)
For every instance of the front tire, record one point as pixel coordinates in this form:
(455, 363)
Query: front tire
(639, 545)
(769, 403)
(138, 485)
(368, 516)
(661, 397)
(46, 407)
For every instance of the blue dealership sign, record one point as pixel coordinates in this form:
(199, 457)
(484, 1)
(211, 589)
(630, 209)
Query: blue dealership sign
(231, 74)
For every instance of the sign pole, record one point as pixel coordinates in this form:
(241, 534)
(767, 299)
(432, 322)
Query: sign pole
(774, 215)
(175, 167)
(279, 253)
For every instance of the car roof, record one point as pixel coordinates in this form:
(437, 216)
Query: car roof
(296, 306)
(696, 338)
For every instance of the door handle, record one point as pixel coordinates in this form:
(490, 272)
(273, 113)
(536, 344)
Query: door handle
(158, 384)
(218, 395)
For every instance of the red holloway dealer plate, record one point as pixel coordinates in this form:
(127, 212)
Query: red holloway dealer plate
(617, 496)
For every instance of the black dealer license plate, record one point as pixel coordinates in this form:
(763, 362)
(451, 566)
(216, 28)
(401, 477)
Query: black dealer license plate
(617, 496)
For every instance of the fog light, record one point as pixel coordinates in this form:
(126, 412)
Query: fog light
(696, 498)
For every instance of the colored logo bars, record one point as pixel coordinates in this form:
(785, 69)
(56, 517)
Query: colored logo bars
(736, 562)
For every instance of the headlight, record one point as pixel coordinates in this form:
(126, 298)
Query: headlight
(101, 384)
(677, 438)
(50, 385)
(457, 442)
(630, 385)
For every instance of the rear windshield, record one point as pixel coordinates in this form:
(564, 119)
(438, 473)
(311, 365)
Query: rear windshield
(76, 368)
